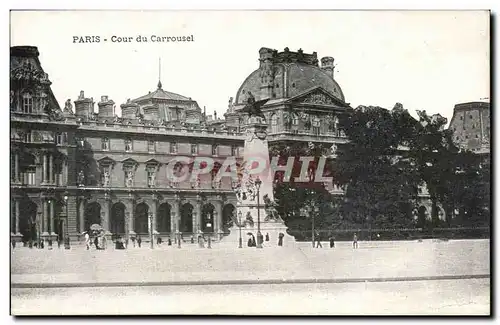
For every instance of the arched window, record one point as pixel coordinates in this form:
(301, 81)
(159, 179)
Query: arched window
(27, 103)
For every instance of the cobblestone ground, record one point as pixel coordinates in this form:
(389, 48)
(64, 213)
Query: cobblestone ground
(168, 263)
(443, 297)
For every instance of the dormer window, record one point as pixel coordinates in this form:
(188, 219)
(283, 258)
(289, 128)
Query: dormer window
(128, 145)
(27, 103)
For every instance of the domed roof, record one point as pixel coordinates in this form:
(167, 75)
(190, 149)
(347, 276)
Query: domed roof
(293, 74)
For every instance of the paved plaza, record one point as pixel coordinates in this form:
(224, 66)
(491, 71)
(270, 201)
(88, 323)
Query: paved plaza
(380, 278)
(226, 264)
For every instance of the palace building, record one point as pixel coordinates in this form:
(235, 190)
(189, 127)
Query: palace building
(80, 165)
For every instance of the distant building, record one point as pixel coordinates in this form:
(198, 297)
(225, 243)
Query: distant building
(471, 126)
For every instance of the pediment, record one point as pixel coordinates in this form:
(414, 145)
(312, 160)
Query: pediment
(317, 96)
(106, 161)
(129, 162)
(152, 162)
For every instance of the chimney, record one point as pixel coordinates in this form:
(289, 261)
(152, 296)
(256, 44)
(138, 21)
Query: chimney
(106, 107)
(215, 115)
(129, 109)
(327, 65)
(266, 73)
(84, 106)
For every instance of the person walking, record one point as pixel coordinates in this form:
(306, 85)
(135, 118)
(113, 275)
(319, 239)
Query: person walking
(355, 241)
(267, 236)
(318, 240)
(87, 240)
(139, 241)
(280, 239)
(96, 242)
(332, 241)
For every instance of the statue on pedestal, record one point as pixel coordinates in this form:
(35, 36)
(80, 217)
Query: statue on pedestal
(270, 208)
(253, 108)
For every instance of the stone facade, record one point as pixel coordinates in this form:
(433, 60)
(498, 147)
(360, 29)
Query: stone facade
(471, 126)
(74, 168)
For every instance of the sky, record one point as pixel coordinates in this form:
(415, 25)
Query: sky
(426, 60)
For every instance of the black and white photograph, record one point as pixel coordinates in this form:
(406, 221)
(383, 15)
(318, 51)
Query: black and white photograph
(250, 162)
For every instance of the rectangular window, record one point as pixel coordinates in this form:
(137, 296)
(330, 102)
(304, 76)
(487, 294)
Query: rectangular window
(234, 150)
(27, 137)
(194, 149)
(151, 178)
(151, 146)
(214, 150)
(27, 103)
(128, 145)
(59, 138)
(31, 176)
(173, 147)
(105, 144)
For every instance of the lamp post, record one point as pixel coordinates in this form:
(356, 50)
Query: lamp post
(150, 215)
(258, 182)
(66, 235)
(240, 241)
(314, 209)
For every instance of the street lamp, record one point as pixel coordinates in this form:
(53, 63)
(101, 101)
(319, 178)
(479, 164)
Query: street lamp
(240, 241)
(66, 235)
(150, 215)
(258, 182)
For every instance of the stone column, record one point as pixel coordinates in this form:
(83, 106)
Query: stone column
(154, 208)
(17, 217)
(51, 168)
(81, 214)
(44, 169)
(52, 217)
(130, 216)
(197, 215)
(65, 173)
(45, 221)
(218, 217)
(105, 215)
(16, 167)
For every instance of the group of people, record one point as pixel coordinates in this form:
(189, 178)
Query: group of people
(332, 240)
(252, 242)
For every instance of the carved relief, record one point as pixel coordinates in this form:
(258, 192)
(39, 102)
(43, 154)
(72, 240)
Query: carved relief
(318, 98)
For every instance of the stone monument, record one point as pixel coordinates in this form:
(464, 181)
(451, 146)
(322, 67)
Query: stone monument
(254, 190)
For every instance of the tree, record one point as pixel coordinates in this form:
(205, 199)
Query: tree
(374, 168)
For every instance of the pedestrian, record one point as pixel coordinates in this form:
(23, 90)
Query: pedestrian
(139, 241)
(332, 241)
(355, 241)
(267, 236)
(192, 239)
(169, 241)
(13, 242)
(87, 240)
(158, 240)
(318, 240)
(254, 243)
(280, 239)
(59, 241)
(96, 242)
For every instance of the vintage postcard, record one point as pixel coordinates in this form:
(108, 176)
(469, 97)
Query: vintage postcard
(250, 162)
